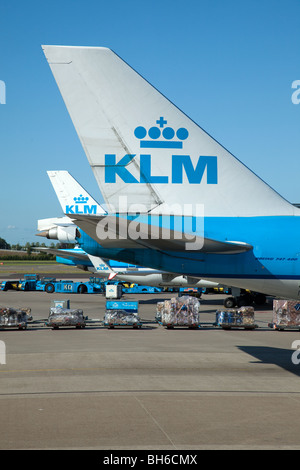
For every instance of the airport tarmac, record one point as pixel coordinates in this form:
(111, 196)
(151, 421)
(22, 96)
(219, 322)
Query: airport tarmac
(151, 388)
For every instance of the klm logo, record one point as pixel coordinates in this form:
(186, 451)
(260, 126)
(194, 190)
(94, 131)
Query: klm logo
(180, 164)
(81, 206)
(156, 133)
(163, 138)
(102, 267)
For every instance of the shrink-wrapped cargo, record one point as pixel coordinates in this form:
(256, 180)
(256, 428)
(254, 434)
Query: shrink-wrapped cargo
(286, 313)
(242, 317)
(228, 318)
(121, 318)
(180, 311)
(247, 314)
(159, 309)
(18, 317)
(65, 317)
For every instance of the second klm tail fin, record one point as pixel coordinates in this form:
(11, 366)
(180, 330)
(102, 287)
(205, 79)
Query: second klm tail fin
(73, 198)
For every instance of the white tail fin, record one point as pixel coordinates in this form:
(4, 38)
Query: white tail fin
(102, 268)
(73, 198)
(141, 146)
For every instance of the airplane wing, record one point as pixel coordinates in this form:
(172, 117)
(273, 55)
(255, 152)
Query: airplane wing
(114, 231)
(79, 255)
(132, 231)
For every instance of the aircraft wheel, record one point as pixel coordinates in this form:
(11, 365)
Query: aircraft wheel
(49, 288)
(229, 302)
(82, 289)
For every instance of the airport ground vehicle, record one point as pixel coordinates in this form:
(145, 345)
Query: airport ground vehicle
(32, 282)
(28, 283)
(98, 285)
(138, 289)
(92, 286)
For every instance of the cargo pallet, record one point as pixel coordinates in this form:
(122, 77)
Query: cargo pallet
(277, 327)
(60, 317)
(14, 318)
(128, 310)
(229, 327)
(189, 327)
(55, 326)
(113, 325)
(18, 326)
(171, 326)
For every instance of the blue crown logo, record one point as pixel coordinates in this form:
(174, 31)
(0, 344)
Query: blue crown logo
(81, 199)
(168, 133)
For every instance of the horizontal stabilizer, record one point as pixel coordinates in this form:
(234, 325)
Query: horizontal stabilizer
(53, 222)
(119, 232)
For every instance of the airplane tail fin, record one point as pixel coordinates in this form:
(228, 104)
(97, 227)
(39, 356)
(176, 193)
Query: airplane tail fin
(102, 267)
(142, 147)
(73, 198)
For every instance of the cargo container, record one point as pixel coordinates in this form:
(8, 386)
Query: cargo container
(236, 318)
(179, 311)
(62, 317)
(286, 315)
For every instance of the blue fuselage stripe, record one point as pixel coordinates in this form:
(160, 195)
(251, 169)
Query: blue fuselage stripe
(275, 254)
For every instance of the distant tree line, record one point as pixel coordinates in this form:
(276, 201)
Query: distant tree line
(27, 251)
(4, 245)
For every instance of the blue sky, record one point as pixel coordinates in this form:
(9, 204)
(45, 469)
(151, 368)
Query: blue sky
(229, 65)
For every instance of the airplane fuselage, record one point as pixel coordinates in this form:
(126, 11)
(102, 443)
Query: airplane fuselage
(272, 267)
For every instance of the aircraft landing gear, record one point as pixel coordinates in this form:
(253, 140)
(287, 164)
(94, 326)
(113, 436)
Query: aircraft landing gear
(245, 299)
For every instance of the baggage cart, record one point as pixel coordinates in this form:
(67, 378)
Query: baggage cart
(65, 317)
(114, 318)
(127, 305)
(179, 311)
(236, 318)
(122, 313)
(14, 317)
(286, 315)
